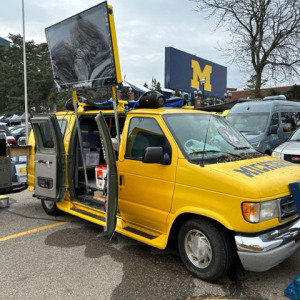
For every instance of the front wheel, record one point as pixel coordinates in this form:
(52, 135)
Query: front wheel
(205, 249)
(50, 207)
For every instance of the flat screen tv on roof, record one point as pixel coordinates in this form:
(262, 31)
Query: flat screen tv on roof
(81, 50)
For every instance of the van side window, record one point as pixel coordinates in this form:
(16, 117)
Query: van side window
(62, 125)
(46, 135)
(290, 121)
(143, 133)
(275, 120)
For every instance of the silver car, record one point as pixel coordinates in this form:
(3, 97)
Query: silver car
(290, 150)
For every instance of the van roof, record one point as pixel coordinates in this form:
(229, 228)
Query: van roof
(263, 106)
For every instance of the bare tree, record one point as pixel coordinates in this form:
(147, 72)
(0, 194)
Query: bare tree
(265, 35)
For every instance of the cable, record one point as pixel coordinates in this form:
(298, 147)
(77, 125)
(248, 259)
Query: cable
(37, 218)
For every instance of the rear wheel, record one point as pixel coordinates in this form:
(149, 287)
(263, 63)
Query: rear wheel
(205, 249)
(50, 207)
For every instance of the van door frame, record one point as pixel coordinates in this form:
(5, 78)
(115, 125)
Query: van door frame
(112, 186)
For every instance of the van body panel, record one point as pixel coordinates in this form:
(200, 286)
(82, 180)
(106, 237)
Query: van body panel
(217, 191)
(146, 190)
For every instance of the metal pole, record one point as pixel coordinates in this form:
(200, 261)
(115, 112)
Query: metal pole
(114, 98)
(25, 74)
(75, 102)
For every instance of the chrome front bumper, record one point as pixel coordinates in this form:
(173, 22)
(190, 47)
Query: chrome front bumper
(263, 252)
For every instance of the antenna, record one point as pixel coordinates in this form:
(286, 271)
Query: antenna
(202, 159)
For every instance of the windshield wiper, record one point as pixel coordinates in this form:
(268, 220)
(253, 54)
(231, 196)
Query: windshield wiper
(215, 151)
(206, 151)
(251, 132)
(242, 148)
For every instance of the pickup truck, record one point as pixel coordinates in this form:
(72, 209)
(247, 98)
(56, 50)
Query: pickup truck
(176, 173)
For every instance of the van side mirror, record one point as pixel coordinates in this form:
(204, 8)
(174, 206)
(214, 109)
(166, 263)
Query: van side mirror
(156, 155)
(273, 129)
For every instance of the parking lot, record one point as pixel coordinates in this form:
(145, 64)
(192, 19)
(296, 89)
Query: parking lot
(63, 257)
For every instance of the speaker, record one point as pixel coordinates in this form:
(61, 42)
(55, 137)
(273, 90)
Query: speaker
(151, 99)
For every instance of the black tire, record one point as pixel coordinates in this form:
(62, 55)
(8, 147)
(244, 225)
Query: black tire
(50, 208)
(205, 249)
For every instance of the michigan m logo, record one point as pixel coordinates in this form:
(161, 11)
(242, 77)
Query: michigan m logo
(198, 75)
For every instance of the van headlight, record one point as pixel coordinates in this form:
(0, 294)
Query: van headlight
(255, 212)
(277, 154)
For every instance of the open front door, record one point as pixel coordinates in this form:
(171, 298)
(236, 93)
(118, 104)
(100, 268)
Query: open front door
(112, 176)
(49, 158)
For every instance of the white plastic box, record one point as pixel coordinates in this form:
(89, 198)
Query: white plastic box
(21, 178)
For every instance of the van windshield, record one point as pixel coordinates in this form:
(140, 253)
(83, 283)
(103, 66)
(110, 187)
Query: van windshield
(209, 138)
(296, 135)
(249, 122)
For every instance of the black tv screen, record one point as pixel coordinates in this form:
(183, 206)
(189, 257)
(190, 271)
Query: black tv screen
(81, 50)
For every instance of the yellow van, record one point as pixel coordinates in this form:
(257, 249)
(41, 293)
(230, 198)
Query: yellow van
(177, 172)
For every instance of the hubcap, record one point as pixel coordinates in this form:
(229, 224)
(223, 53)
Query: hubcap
(198, 248)
(49, 204)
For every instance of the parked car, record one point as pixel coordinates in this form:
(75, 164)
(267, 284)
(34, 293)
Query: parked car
(9, 137)
(290, 150)
(20, 131)
(267, 123)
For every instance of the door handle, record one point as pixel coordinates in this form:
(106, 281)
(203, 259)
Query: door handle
(46, 162)
(121, 181)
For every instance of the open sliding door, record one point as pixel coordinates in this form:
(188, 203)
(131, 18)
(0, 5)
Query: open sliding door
(49, 158)
(112, 176)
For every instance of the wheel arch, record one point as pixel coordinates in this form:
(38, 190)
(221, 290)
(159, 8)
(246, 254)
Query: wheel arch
(268, 152)
(184, 216)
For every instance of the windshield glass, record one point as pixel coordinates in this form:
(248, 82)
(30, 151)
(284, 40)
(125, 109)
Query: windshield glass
(208, 137)
(249, 122)
(296, 135)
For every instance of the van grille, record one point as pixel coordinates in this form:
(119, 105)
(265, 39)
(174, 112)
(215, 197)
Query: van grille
(287, 208)
(292, 158)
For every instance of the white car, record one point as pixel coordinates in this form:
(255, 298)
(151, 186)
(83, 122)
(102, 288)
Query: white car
(290, 150)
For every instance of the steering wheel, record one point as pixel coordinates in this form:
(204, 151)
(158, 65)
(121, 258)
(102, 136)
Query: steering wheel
(192, 145)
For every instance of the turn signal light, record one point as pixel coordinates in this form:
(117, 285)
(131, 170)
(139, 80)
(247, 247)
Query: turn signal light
(251, 211)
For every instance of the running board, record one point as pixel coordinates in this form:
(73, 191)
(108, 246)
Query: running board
(82, 212)
(146, 236)
(139, 232)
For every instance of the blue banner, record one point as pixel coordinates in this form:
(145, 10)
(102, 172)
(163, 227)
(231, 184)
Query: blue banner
(188, 73)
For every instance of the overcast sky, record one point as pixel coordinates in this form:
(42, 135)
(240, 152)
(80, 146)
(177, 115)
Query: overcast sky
(144, 28)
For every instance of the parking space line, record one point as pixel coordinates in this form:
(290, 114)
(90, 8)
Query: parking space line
(30, 231)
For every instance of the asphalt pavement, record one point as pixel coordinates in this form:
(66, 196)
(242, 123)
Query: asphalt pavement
(64, 257)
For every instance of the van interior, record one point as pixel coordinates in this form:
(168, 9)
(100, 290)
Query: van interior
(94, 193)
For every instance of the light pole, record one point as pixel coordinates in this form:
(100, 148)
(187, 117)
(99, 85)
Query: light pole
(227, 95)
(25, 74)
(197, 99)
(202, 82)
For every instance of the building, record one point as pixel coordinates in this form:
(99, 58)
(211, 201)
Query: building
(235, 95)
(4, 42)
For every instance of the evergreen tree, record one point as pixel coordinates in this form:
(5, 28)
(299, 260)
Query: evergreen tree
(158, 87)
(39, 75)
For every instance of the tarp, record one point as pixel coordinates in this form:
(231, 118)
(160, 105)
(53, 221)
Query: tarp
(219, 107)
(135, 86)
